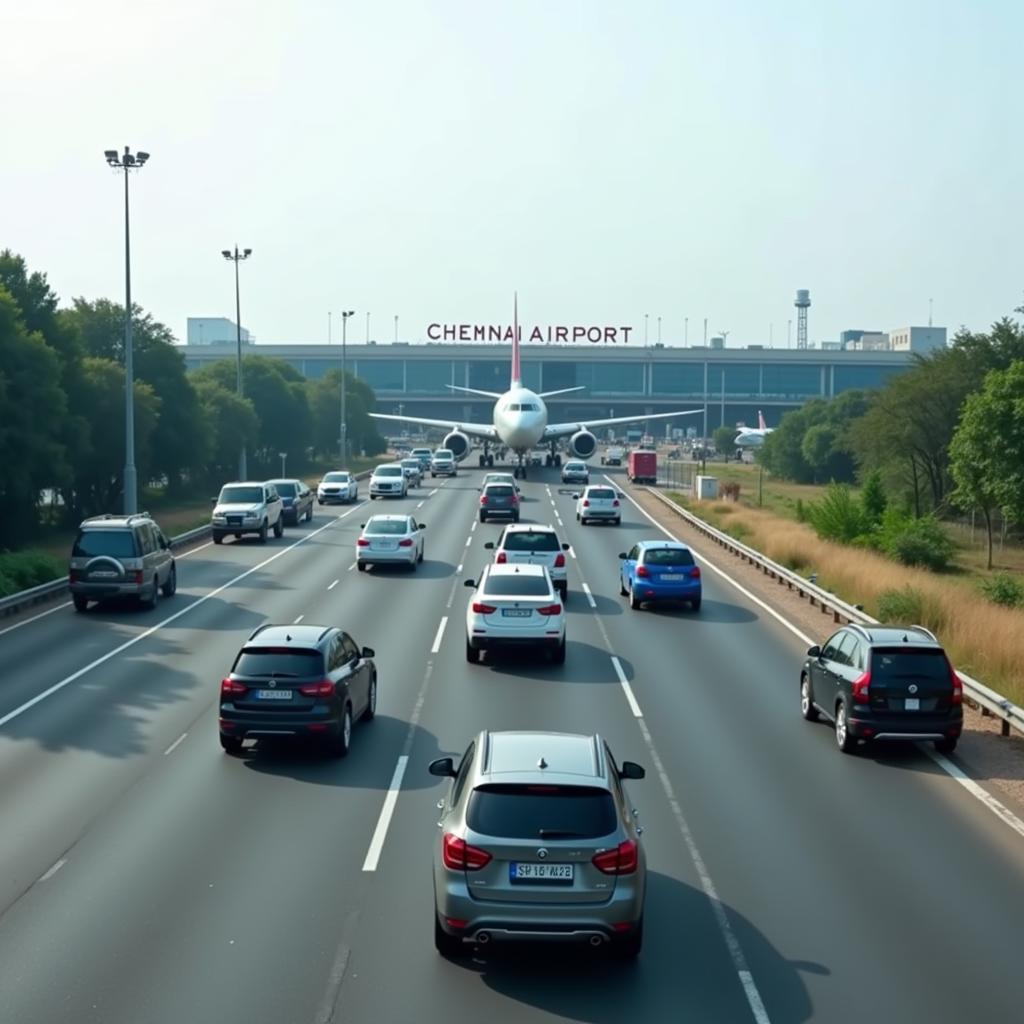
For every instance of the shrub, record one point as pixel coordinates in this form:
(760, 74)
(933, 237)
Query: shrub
(872, 498)
(912, 541)
(20, 570)
(903, 606)
(801, 512)
(838, 516)
(731, 491)
(1005, 590)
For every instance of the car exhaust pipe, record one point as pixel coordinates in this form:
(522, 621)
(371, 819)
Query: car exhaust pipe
(596, 940)
(483, 938)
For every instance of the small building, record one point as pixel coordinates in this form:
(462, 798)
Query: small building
(215, 330)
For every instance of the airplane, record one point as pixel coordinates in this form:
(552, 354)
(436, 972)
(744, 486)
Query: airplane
(520, 421)
(748, 437)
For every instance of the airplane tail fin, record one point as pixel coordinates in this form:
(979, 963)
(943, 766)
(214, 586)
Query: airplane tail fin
(760, 421)
(517, 377)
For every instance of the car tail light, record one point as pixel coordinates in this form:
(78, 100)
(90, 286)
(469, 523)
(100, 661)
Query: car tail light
(363, 542)
(559, 561)
(695, 572)
(407, 543)
(550, 609)
(458, 855)
(483, 499)
(623, 860)
(861, 687)
(586, 503)
(483, 609)
(515, 499)
(643, 572)
(232, 688)
(502, 558)
(325, 688)
(137, 575)
(74, 575)
(615, 503)
(958, 686)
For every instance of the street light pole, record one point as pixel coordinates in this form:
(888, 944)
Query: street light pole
(236, 257)
(344, 376)
(128, 162)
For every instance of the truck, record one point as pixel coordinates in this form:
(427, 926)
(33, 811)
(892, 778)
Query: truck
(642, 467)
(612, 457)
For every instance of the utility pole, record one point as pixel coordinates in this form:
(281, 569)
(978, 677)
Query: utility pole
(344, 386)
(328, 327)
(686, 332)
(236, 257)
(396, 328)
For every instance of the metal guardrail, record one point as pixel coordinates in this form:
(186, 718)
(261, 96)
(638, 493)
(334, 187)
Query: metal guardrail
(988, 700)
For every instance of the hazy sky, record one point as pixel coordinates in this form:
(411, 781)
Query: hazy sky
(607, 160)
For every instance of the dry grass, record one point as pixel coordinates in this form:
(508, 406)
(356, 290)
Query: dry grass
(984, 639)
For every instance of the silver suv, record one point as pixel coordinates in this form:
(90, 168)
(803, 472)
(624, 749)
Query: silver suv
(247, 507)
(121, 556)
(539, 842)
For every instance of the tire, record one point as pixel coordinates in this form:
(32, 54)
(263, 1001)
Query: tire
(279, 526)
(558, 657)
(946, 746)
(309, 514)
(154, 597)
(634, 603)
(81, 602)
(340, 745)
(230, 744)
(218, 538)
(695, 604)
(515, 518)
(447, 945)
(577, 517)
(623, 592)
(423, 552)
(171, 586)
(844, 741)
(472, 654)
(807, 708)
(371, 707)
(413, 564)
(361, 566)
(483, 518)
(617, 522)
(628, 947)
(263, 532)
(563, 592)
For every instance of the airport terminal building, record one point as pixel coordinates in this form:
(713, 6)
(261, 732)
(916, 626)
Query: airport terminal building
(731, 384)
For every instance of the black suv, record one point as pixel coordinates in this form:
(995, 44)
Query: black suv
(305, 681)
(883, 683)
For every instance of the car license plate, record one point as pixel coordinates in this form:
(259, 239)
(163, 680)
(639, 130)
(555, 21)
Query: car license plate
(524, 871)
(672, 576)
(386, 545)
(912, 704)
(106, 574)
(516, 613)
(273, 694)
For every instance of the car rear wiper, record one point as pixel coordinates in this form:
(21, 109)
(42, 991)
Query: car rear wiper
(558, 833)
(283, 675)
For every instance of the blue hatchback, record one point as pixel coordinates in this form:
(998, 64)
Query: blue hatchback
(659, 570)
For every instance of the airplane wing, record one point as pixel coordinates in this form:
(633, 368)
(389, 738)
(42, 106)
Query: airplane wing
(484, 430)
(474, 391)
(555, 430)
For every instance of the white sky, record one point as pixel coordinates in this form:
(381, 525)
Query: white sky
(606, 159)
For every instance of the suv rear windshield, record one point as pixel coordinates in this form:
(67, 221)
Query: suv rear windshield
(516, 586)
(241, 496)
(388, 471)
(900, 663)
(541, 811)
(668, 556)
(499, 490)
(411, 463)
(524, 541)
(116, 543)
(286, 490)
(387, 527)
(283, 662)
(604, 493)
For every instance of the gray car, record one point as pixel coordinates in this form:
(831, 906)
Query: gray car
(121, 556)
(539, 842)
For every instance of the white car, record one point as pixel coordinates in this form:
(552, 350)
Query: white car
(413, 471)
(247, 507)
(390, 540)
(598, 504)
(500, 478)
(515, 606)
(388, 481)
(575, 472)
(443, 463)
(337, 486)
(522, 544)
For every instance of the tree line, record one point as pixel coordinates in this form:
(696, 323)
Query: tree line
(62, 409)
(946, 434)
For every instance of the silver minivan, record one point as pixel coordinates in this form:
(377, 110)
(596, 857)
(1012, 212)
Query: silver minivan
(539, 842)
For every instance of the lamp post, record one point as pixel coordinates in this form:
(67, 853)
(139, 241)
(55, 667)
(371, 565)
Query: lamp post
(367, 328)
(236, 257)
(284, 459)
(344, 372)
(645, 330)
(329, 327)
(128, 162)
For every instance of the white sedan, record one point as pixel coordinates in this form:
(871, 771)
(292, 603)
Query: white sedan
(598, 504)
(337, 486)
(515, 606)
(390, 540)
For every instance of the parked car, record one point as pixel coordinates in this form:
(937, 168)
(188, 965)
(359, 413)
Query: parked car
(538, 840)
(390, 539)
(121, 556)
(247, 507)
(533, 544)
(598, 504)
(296, 499)
(305, 681)
(337, 486)
(499, 500)
(575, 472)
(878, 683)
(659, 570)
(388, 481)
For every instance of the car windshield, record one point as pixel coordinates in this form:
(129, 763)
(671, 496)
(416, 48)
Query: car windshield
(499, 490)
(411, 463)
(388, 471)
(282, 662)
(116, 543)
(576, 467)
(668, 556)
(602, 493)
(336, 478)
(286, 489)
(443, 456)
(531, 811)
(241, 496)
(516, 586)
(529, 540)
(387, 527)
(900, 663)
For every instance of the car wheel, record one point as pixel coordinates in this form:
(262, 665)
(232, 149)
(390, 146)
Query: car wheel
(946, 746)
(634, 601)
(558, 655)
(309, 515)
(472, 654)
(319, 501)
(844, 740)
(154, 595)
(483, 518)
(279, 526)
(361, 566)
(340, 744)
(218, 538)
(627, 947)
(263, 532)
(563, 592)
(695, 604)
(413, 564)
(622, 587)
(171, 585)
(371, 701)
(515, 518)
(81, 603)
(447, 945)
(617, 522)
(230, 744)
(807, 708)
(423, 551)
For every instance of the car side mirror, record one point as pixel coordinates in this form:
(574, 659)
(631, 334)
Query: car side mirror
(622, 554)
(213, 501)
(489, 546)
(621, 495)
(565, 547)
(814, 652)
(422, 526)
(632, 770)
(469, 583)
(368, 652)
(362, 526)
(443, 767)
(575, 497)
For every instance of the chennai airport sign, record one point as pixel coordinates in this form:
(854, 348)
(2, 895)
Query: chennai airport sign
(550, 334)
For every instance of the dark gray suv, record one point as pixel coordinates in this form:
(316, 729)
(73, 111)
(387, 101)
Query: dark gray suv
(121, 556)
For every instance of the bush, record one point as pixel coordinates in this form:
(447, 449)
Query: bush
(20, 570)
(912, 541)
(838, 516)
(731, 491)
(872, 498)
(1005, 590)
(903, 607)
(801, 512)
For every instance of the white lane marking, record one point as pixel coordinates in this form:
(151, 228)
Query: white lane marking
(351, 567)
(332, 585)
(458, 568)
(995, 806)
(469, 540)
(552, 502)
(35, 618)
(421, 504)
(626, 688)
(590, 596)
(572, 551)
(177, 743)
(298, 620)
(103, 659)
(56, 867)
(433, 492)
(436, 646)
(472, 528)
(386, 812)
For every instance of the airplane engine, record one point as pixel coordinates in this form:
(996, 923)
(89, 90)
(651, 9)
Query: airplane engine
(458, 444)
(582, 444)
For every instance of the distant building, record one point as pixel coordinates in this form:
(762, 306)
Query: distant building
(215, 330)
(920, 340)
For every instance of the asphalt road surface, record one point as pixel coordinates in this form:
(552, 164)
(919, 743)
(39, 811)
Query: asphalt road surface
(148, 878)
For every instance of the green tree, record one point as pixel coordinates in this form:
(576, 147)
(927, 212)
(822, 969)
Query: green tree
(724, 439)
(873, 499)
(230, 422)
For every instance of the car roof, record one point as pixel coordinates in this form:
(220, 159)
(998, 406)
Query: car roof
(671, 545)
(516, 569)
(390, 517)
(246, 483)
(529, 528)
(569, 758)
(884, 635)
(387, 465)
(109, 521)
(497, 483)
(285, 480)
(304, 636)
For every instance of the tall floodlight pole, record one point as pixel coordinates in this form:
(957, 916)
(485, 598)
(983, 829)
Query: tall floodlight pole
(128, 162)
(236, 257)
(367, 328)
(396, 328)
(344, 376)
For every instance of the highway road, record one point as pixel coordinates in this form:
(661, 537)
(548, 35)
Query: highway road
(148, 878)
